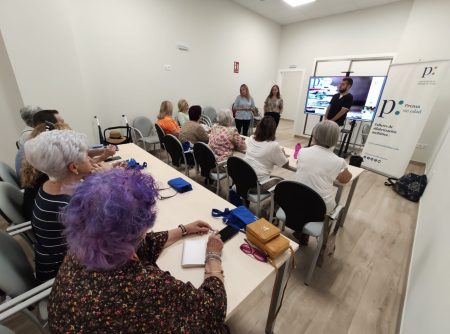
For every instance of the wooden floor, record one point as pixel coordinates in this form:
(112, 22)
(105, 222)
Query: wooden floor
(360, 290)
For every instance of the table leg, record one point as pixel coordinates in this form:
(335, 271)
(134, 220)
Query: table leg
(276, 296)
(348, 202)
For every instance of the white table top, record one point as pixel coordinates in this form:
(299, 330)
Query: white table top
(243, 274)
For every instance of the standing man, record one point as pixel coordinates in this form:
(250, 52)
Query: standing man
(340, 103)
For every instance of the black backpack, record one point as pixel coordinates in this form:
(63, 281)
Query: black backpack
(411, 186)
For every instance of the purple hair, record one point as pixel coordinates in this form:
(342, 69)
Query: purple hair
(107, 217)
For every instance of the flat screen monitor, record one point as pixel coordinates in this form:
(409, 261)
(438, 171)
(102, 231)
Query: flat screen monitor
(366, 93)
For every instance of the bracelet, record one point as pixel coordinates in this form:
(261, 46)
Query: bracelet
(213, 257)
(214, 272)
(214, 253)
(183, 230)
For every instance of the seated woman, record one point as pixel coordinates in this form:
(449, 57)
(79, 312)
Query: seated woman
(62, 156)
(165, 120)
(318, 167)
(192, 130)
(183, 109)
(110, 281)
(224, 138)
(263, 152)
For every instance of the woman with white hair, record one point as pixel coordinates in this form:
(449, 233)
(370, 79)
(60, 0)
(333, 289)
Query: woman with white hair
(318, 167)
(63, 156)
(224, 139)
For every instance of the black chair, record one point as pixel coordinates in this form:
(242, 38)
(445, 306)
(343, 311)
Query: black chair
(161, 134)
(209, 168)
(176, 152)
(304, 211)
(246, 182)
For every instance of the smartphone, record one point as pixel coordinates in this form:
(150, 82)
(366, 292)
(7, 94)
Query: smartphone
(227, 233)
(116, 157)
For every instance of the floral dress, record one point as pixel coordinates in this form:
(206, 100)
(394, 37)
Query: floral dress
(223, 141)
(136, 298)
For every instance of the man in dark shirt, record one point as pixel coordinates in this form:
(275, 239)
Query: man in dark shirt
(340, 103)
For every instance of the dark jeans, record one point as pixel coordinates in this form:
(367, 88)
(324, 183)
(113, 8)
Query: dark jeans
(274, 115)
(240, 123)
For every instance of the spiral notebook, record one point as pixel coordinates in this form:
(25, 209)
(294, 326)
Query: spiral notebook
(193, 253)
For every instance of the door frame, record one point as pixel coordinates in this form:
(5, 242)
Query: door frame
(279, 82)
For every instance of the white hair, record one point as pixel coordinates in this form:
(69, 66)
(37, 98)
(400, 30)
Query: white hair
(326, 134)
(225, 117)
(51, 152)
(27, 114)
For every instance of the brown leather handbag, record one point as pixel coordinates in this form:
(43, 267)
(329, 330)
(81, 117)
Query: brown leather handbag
(267, 238)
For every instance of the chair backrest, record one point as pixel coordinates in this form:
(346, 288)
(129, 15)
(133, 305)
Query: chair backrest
(205, 158)
(175, 150)
(123, 129)
(16, 274)
(300, 203)
(11, 201)
(242, 174)
(144, 125)
(160, 132)
(211, 113)
(205, 120)
(137, 137)
(8, 174)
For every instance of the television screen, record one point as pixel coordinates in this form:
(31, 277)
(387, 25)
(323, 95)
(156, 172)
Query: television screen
(366, 93)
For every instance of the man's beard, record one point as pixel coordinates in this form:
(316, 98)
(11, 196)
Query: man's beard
(342, 90)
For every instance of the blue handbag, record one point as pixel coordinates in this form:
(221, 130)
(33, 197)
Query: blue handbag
(238, 218)
(180, 185)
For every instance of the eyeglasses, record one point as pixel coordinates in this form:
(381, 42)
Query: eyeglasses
(254, 252)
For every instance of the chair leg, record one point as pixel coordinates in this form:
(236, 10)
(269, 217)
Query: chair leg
(283, 224)
(314, 261)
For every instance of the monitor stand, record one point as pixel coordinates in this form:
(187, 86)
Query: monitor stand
(346, 141)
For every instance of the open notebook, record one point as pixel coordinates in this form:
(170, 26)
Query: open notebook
(193, 253)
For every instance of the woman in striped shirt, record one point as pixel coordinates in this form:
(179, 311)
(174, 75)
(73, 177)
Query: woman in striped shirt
(62, 155)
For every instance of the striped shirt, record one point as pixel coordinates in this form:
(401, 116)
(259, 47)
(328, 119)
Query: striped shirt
(51, 246)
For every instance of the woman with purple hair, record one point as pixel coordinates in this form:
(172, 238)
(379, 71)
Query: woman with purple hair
(109, 281)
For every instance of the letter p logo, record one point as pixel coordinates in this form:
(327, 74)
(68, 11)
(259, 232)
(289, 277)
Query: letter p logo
(386, 110)
(427, 71)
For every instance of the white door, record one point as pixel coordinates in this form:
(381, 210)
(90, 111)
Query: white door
(290, 88)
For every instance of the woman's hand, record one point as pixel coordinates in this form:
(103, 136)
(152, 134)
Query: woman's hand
(100, 167)
(109, 151)
(198, 227)
(215, 244)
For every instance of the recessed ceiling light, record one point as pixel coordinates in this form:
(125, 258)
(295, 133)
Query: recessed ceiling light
(295, 3)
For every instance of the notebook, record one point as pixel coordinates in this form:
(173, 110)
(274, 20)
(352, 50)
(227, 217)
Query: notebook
(193, 253)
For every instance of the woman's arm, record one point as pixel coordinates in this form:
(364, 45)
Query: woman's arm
(344, 177)
(197, 227)
(280, 105)
(265, 105)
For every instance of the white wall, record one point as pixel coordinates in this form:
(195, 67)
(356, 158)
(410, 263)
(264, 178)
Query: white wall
(10, 102)
(427, 303)
(372, 31)
(106, 57)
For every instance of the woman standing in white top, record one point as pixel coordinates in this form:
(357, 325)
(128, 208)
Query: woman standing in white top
(263, 152)
(318, 167)
(243, 106)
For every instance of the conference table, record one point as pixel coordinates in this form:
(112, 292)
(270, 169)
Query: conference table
(243, 274)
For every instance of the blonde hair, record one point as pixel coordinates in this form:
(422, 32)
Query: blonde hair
(29, 174)
(166, 109)
(181, 104)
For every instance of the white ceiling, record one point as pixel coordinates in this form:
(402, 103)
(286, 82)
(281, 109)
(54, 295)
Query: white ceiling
(282, 13)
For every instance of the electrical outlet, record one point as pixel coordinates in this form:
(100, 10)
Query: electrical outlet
(167, 67)
(421, 146)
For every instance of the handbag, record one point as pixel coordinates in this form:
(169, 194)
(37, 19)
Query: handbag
(238, 218)
(410, 186)
(267, 237)
(180, 185)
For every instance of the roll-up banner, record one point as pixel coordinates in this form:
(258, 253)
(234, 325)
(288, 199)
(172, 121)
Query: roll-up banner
(408, 98)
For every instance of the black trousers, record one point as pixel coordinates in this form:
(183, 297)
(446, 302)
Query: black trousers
(241, 123)
(274, 115)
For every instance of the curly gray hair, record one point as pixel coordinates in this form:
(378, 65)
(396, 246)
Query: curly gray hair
(27, 114)
(51, 152)
(326, 134)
